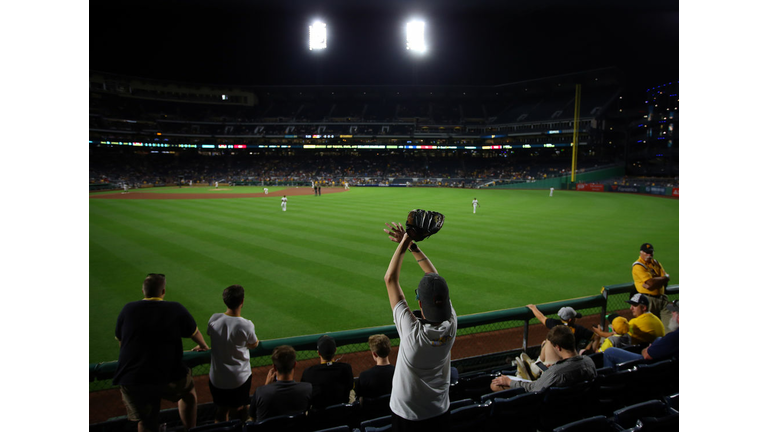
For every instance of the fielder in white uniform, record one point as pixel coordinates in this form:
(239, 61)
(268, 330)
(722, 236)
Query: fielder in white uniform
(217, 185)
(266, 191)
(474, 205)
(551, 191)
(284, 202)
(125, 187)
(190, 183)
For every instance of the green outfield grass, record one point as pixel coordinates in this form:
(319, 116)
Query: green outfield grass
(319, 267)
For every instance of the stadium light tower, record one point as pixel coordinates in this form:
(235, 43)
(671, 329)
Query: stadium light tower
(318, 36)
(414, 37)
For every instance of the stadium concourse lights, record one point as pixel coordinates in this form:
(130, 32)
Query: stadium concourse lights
(318, 36)
(414, 37)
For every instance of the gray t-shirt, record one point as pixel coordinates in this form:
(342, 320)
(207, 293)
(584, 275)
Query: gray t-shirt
(561, 374)
(423, 369)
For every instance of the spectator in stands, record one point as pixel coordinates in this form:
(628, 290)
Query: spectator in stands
(645, 327)
(617, 336)
(150, 365)
(422, 377)
(568, 316)
(662, 348)
(651, 280)
(280, 394)
(232, 336)
(572, 369)
(331, 381)
(377, 381)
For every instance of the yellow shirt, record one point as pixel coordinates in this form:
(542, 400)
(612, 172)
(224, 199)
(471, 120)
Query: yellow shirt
(645, 328)
(641, 274)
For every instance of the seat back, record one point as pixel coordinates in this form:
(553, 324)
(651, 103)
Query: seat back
(627, 417)
(668, 423)
(562, 405)
(226, 426)
(377, 424)
(614, 390)
(470, 418)
(504, 394)
(473, 387)
(592, 424)
(372, 408)
(460, 403)
(521, 411)
(282, 423)
(335, 415)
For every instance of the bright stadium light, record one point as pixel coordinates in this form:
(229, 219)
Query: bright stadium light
(317, 36)
(414, 37)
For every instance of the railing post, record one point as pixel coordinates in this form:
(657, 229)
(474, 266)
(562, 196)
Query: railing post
(604, 309)
(525, 335)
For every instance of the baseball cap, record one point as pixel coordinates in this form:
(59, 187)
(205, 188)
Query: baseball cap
(326, 346)
(674, 306)
(647, 248)
(434, 297)
(620, 325)
(638, 299)
(566, 313)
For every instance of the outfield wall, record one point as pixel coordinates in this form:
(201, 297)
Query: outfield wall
(564, 182)
(483, 341)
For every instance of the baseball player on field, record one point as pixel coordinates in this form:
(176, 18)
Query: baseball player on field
(284, 203)
(474, 205)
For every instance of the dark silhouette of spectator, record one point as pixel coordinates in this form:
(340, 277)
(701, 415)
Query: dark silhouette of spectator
(331, 381)
(150, 366)
(232, 336)
(280, 394)
(377, 381)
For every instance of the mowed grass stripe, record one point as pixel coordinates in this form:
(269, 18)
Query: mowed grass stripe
(521, 247)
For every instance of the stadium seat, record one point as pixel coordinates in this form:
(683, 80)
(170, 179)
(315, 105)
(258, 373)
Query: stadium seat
(473, 387)
(227, 426)
(656, 380)
(597, 358)
(627, 417)
(470, 418)
(335, 429)
(673, 401)
(592, 424)
(615, 390)
(377, 425)
(667, 423)
(292, 422)
(504, 394)
(335, 415)
(461, 403)
(521, 410)
(375, 407)
(563, 405)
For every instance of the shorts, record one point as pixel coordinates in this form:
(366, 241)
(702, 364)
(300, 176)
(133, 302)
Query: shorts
(233, 398)
(142, 401)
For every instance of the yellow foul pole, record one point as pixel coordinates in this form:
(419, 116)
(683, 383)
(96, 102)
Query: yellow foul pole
(575, 143)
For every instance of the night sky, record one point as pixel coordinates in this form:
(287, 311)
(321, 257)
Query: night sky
(470, 42)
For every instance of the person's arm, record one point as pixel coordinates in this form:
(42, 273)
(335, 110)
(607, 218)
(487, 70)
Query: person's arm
(197, 337)
(253, 345)
(537, 313)
(392, 276)
(645, 354)
(600, 332)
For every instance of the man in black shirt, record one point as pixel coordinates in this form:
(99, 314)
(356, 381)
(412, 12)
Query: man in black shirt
(150, 365)
(331, 381)
(280, 394)
(377, 381)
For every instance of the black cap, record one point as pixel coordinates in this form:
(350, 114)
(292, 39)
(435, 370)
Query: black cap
(326, 346)
(434, 297)
(647, 248)
(638, 299)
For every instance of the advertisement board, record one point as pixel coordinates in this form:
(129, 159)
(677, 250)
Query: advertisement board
(590, 187)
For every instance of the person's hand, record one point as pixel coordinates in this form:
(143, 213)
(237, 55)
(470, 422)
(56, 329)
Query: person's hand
(199, 348)
(271, 376)
(645, 353)
(395, 232)
(531, 306)
(502, 381)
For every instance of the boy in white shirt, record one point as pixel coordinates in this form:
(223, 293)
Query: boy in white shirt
(232, 336)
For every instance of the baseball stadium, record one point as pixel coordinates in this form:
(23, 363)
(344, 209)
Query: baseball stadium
(553, 183)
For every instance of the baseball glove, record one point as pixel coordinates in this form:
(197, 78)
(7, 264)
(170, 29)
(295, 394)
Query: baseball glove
(422, 223)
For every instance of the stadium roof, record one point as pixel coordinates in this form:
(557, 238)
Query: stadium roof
(481, 42)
